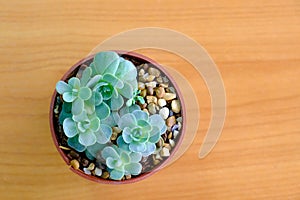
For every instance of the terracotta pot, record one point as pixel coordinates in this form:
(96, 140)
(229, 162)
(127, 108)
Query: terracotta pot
(139, 58)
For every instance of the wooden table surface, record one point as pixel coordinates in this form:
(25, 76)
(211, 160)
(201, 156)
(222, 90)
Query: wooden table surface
(256, 47)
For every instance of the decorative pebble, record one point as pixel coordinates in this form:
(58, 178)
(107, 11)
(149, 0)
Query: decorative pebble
(161, 102)
(141, 86)
(87, 171)
(171, 121)
(160, 143)
(165, 79)
(116, 129)
(64, 148)
(170, 135)
(150, 78)
(171, 89)
(128, 176)
(156, 162)
(105, 175)
(164, 112)
(75, 164)
(169, 96)
(175, 127)
(165, 152)
(175, 133)
(179, 126)
(141, 72)
(143, 93)
(150, 90)
(114, 136)
(84, 162)
(164, 85)
(159, 80)
(56, 111)
(175, 106)
(151, 84)
(172, 143)
(146, 111)
(98, 172)
(91, 166)
(158, 157)
(179, 119)
(73, 155)
(151, 108)
(166, 145)
(153, 71)
(151, 99)
(160, 92)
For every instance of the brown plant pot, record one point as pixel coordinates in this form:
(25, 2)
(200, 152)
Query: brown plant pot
(135, 58)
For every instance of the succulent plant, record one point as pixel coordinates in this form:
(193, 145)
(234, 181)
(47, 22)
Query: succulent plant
(140, 132)
(120, 162)
(85, 130)
(114, 78)
(136, 97)
(74, 92)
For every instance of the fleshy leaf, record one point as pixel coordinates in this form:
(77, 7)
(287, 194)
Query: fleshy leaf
(86, 75)
(126, 70)
(121, 143)
(106, 62)
(77, 106)
(127, 120)
(62, 87)
(134, 168)
(126, 91)
(157, 120)
(69, 127)
(109, 152)
(74, 82)
(137, 147)
(74, 143)
(126, 135)
(150, 148)
(103, 134)
(95, 124)
(154, 135)
(102, 111)
(130, 109)
(114, 81)
(110, 162)
(116, 102)
(81, 117)
(125, 157)
(87, 139)
(69, 97)
(116, 174)
(85, 93)
(93, 81)
(140, 115)
(135, 157)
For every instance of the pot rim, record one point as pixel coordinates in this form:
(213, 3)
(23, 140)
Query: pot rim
(145, 174)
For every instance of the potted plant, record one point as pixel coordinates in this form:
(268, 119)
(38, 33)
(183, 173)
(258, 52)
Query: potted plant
(117, 117)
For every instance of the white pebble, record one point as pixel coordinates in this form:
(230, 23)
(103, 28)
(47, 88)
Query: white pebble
(175, 133)
(164, 112)
(162, 102)
(86, 171)
(98, 172)
(165, 152)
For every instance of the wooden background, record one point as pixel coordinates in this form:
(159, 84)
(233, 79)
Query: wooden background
(256, 47)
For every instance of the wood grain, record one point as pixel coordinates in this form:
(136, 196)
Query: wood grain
(256, 47)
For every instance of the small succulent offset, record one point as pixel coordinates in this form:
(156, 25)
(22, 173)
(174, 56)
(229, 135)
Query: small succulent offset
(140, 132)
(120, 162)
(94, 103)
